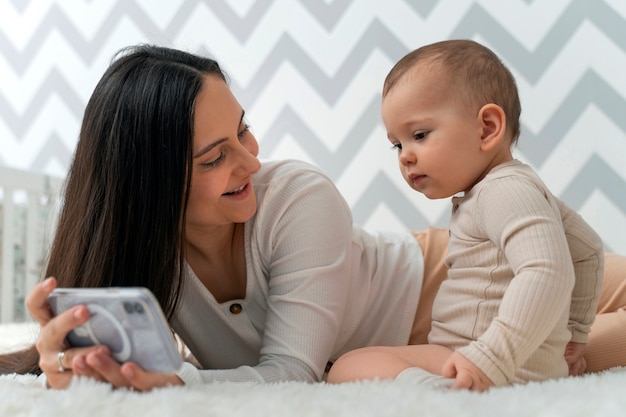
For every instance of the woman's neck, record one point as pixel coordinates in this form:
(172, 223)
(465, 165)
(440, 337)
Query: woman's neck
(218, 260)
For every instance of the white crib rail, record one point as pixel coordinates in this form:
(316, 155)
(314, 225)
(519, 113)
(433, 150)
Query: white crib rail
(28, 208)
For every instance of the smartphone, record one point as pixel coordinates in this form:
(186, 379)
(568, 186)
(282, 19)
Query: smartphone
(128, 320)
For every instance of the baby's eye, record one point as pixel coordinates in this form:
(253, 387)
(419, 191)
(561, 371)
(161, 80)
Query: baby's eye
(396, 147)
(420, 135)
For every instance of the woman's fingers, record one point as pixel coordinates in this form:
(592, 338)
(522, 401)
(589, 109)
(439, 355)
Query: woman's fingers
(52, 338)
(81, 368)
(97, 363)
(56, 329)
(107, 368)
(55, 359)
(54, 356)
(60, 368)
(37, 300)
(128, 375)
(141, 380)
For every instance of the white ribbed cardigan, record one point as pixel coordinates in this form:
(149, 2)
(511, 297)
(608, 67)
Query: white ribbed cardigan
(317, 287)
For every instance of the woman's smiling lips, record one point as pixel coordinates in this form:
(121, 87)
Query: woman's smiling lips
(240, 192)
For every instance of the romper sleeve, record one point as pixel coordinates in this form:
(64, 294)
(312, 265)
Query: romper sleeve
(518, 217)
(586, 249)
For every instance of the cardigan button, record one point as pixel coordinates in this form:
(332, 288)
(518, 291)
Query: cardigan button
(236, 308)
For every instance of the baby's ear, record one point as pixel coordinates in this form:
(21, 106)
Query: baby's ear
(493, 121)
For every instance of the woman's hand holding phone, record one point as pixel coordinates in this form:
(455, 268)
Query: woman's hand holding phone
(61, 363)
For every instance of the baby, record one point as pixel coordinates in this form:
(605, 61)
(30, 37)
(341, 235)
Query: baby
(451, 110)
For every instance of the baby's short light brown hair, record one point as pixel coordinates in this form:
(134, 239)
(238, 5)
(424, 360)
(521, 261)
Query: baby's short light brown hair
(475, 75)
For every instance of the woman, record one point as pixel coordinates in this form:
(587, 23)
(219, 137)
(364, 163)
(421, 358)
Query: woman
(257, 267)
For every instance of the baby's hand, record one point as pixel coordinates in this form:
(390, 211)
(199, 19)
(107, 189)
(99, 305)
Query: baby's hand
(575, 359)
(466, 374)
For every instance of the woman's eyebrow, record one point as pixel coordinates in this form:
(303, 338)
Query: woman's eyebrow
(209, 147)
(217, 142)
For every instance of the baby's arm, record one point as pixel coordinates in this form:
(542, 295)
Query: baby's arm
(587, 254)
(519, 219)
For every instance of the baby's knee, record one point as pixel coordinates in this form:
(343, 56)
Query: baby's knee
(366, 364)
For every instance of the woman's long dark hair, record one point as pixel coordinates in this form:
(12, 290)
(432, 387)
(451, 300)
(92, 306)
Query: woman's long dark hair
(123, 208)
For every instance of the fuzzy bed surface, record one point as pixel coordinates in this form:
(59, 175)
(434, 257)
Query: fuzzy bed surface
(601, 394)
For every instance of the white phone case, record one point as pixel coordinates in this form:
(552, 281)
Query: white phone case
(128, 320)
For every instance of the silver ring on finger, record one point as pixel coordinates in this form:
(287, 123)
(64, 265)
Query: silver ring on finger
(60, 357)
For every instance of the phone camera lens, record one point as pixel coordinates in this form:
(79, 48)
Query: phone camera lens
(128, 306)
(138, 308)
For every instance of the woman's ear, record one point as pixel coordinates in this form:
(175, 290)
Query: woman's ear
(493, 121)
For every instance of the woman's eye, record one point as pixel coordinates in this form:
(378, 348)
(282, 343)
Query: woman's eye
(420, 135)
(246, 129)
(215, 162)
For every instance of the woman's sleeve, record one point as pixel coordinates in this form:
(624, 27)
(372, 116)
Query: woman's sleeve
(309, 276)
(304, 236)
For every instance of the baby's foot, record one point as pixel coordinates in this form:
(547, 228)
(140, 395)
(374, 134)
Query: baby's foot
(421, 377)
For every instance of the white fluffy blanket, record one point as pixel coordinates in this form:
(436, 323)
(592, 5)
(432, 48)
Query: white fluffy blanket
(592, 395)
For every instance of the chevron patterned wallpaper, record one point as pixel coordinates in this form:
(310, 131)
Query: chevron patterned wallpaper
(309, 73)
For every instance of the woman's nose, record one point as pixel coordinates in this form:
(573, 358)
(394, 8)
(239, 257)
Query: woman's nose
(248, 161)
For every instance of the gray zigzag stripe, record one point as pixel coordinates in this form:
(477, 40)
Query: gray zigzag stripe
(377, 36)
(287, 50)
(20, 5)
(53, 84)
(333, 164)
(88, 50)
(242, 28)
(533, 64)
(423, 7)
(327, 14)
(591, 89)
(54, 148)
(382, 191)
(596, 175)
(536, 147)
(56, 20)
(477, 20)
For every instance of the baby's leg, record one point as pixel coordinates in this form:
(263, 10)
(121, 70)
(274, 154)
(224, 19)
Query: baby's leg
(387, 362)
(434, 245)
(606, 347)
